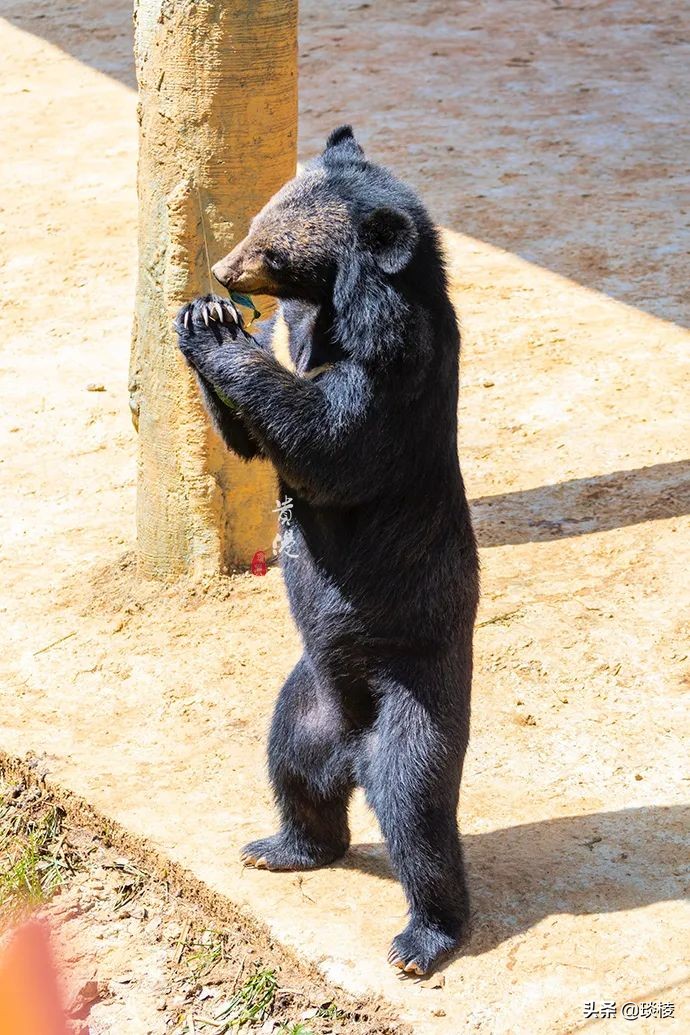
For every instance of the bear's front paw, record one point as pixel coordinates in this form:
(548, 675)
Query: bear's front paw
(205, 324)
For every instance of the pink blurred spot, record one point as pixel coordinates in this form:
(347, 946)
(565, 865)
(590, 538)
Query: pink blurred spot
(30, 1001)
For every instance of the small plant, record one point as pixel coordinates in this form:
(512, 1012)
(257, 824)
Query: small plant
(331, 1012)
(107, 833)
(134, 882)
(203, 953)
(21, 880)
(252, 1002)
(34, 859)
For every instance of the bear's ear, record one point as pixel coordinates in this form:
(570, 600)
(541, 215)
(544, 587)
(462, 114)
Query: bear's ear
(390, 236)
(341, 146)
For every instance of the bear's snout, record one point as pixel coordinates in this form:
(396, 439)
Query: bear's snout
(229, 269)
(242, 271)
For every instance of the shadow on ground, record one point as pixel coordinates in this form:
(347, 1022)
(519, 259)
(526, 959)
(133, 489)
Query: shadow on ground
(554, 131)
(97, 34)
(601, 862)
(583, 505)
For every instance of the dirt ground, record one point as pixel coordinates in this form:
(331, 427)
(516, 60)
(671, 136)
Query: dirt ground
(549, 141)
(139, 953)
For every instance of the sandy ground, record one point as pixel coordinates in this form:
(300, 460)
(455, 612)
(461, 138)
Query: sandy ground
(549, 140)
(139, 953)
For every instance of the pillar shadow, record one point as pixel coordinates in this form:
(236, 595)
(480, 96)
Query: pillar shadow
(519, 131)
(97, 34)
(583, 505)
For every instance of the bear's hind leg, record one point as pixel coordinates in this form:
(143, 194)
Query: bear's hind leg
(412, 782)
(310, 765)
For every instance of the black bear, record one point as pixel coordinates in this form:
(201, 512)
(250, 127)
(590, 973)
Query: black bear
(382, 573)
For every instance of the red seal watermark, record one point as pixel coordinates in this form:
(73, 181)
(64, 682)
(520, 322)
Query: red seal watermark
(259, 566)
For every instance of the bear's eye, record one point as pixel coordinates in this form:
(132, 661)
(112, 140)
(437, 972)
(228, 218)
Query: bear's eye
(274, 259)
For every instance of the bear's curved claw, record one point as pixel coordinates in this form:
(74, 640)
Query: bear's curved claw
(259, 863)
(422, 946)
(234, 312)
(211, 308)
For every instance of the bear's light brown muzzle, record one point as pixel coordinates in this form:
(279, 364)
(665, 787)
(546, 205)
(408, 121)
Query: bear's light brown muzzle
(240, 271)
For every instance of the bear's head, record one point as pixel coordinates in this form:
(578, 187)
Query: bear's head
(342, 214)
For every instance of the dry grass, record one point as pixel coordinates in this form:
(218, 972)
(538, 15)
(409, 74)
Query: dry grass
(35, 856)
(215, 980)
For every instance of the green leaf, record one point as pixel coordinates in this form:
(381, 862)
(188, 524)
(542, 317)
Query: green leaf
(230, 403)
(246, 302)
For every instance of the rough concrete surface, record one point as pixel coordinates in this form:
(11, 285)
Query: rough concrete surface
(200, 507)
(550, 140)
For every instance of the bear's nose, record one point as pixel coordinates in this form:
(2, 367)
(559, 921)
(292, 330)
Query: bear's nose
(223, 272)
(231, 267)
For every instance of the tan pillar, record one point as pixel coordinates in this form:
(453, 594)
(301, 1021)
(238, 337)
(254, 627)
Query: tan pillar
(218, 136)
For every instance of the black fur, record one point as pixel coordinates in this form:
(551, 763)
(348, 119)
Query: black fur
(384, 586)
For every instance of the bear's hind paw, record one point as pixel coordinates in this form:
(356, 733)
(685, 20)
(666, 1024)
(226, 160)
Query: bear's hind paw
(421, 947)
(281, 853)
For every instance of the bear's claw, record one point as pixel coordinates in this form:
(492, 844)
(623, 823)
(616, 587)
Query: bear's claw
(421, 947)
(259, 863)
(280, 853)
(211, 308)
